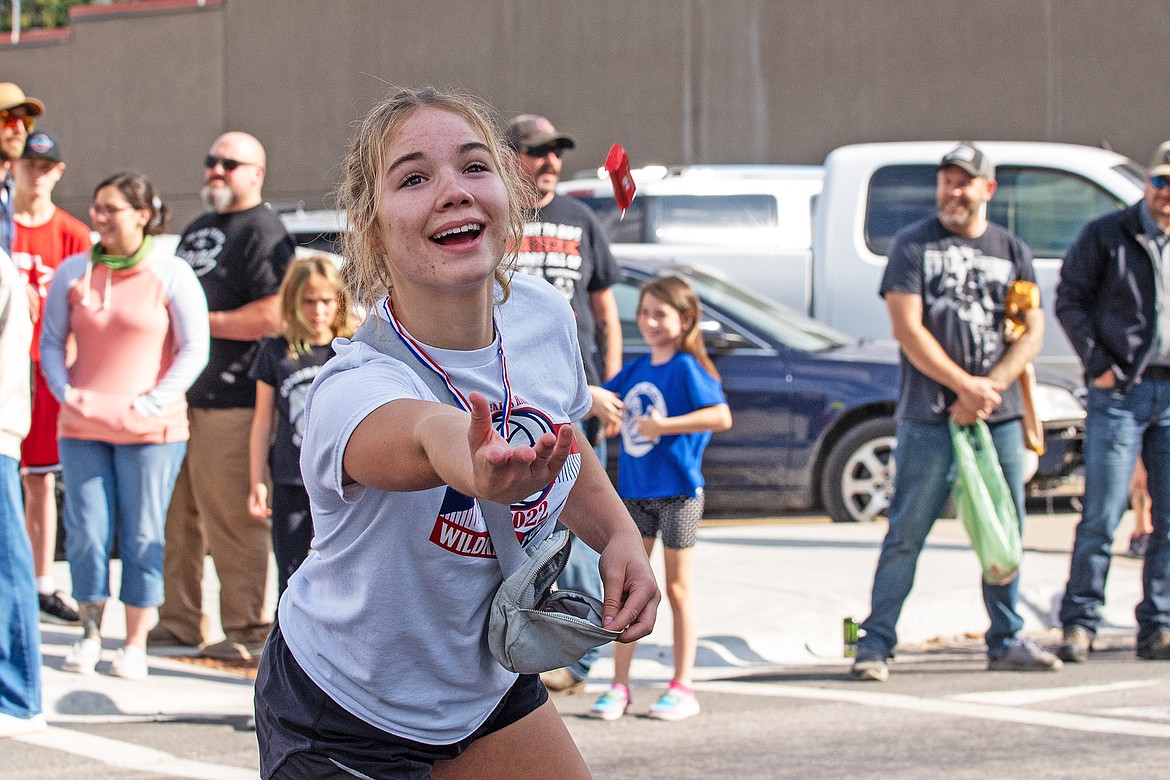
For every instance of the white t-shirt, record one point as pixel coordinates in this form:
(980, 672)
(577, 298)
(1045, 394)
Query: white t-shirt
(389, 612)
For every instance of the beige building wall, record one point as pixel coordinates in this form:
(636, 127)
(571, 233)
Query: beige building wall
(148, 86)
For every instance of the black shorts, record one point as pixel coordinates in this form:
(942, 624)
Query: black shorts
(676, 519)
(303, 733)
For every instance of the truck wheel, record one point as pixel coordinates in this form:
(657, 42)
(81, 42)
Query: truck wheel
(859, 474)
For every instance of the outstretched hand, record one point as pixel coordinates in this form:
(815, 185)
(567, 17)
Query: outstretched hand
(506, 474)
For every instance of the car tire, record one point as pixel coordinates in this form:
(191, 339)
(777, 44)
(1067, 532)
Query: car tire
(858, 479)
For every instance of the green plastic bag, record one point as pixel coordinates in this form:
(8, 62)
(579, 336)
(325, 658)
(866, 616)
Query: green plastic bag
(984, 503)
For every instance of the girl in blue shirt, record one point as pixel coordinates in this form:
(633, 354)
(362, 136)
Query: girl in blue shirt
(672, 403)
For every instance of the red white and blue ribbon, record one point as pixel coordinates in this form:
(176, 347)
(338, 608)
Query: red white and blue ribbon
(419, 351)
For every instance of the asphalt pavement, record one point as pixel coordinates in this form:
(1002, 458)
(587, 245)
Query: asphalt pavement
(771, 596)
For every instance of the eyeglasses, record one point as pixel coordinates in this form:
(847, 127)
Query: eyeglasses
(106, 211)
(9, 117)
(1159, 182)
(229, 165)
(544, 150)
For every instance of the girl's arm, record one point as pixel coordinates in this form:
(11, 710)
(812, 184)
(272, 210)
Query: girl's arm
(709, 418)
(596, 514)
(258, 443)
(410, 444)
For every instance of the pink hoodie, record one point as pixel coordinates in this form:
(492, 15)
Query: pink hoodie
(142, 339)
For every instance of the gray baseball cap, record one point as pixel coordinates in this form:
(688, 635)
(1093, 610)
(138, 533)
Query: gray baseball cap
(971, 159)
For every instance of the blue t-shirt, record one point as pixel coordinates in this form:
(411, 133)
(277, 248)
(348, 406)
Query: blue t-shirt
(672, 465)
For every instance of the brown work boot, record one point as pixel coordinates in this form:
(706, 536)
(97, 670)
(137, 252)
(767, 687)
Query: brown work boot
(1157, 647)
(562, 681)
(160, 636)
(1075, 646)
(239, 644)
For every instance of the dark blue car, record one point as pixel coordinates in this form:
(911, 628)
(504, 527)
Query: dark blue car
(813, 407)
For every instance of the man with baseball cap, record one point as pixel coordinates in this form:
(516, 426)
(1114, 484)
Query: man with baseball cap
(18, 114)
(566, 245)
(945, 286)
(1112, 301)
(45, 235)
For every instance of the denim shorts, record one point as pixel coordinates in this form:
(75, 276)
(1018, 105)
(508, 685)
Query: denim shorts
(303, 733)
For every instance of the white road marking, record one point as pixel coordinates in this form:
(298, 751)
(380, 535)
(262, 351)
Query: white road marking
(960, 709)
(1024, 697)
(1149, 713)
(126, 755)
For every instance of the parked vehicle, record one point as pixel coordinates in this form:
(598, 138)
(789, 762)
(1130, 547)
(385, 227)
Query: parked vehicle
(813, 407)
(815, 238)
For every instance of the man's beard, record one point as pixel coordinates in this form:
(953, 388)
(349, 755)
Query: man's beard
(218, 199)
(959, 220)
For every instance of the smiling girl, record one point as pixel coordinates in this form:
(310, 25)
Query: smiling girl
(379, 665)
(673, 402)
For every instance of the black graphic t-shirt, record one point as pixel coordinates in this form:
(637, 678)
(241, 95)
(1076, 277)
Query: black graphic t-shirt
(290, 378)
(567, 246)
(239, 258)
(963, 283)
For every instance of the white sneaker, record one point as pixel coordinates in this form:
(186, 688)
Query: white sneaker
(130, 663)
(83, 656)
(12, 726)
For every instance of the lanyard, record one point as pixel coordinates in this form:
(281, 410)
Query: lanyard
(419, 351)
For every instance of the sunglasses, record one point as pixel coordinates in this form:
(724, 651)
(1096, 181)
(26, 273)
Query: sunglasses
(1159, 182)
(544, 150)
(229, 165)
(8, 118)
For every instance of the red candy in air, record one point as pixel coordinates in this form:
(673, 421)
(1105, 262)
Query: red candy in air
(617, 163)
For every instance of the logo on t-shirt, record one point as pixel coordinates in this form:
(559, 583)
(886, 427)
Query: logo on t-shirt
(553, 251)
(460, 526)
(201, 249)
(639, 401)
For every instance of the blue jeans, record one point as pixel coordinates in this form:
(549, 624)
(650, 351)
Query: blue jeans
(923, 478)
(1118, 425)
(20, 640)
(582, 574)
(122, 490)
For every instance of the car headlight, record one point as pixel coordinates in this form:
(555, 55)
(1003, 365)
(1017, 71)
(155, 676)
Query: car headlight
(1057, 403)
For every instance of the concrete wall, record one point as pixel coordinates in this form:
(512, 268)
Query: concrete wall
(148, 86)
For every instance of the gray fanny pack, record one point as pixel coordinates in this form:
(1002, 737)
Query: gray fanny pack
(532, 627)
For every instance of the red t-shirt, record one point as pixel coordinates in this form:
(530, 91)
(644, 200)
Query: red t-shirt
(38, 251)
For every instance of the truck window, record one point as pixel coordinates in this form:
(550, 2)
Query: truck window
(618, 230)
(1045, 207)
(898, 196)
(713, 220)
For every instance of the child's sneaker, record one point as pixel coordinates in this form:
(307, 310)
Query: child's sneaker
(677, 703)
(612, 704)
(83, 656)
(130, 663)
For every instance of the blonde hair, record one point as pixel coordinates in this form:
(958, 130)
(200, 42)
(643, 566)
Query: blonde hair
(366, 270)
(678, 294)
(296, 329)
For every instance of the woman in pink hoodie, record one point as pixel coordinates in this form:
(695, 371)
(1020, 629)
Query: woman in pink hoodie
(139, 319)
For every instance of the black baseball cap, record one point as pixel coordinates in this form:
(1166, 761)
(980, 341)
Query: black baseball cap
(42, 146)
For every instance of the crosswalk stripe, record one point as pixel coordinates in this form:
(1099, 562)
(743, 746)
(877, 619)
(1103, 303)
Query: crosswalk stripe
(1000, 714)
(126, 755)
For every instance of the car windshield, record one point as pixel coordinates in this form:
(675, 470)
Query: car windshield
(766, 317)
